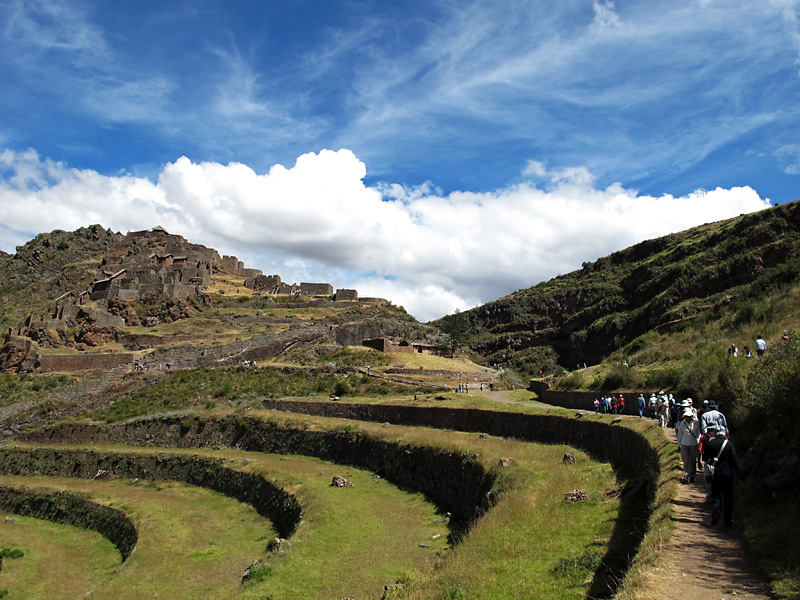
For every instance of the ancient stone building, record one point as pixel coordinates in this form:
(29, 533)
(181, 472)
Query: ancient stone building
(316, 289)
(157, 261)
(342, 295)
(403, 346)
(272, 284)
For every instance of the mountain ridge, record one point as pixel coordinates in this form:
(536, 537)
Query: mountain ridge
(656, 284)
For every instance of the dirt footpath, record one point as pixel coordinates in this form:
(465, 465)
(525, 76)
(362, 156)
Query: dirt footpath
(702, 561)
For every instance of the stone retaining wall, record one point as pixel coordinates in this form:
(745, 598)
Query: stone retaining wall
(72, 509)
(83, 362)
(580, 400)
(468, 376)
(457, 483)
(621, 446)
(269, 501)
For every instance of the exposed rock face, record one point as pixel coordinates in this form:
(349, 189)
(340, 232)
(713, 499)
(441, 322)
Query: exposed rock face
(18, 355)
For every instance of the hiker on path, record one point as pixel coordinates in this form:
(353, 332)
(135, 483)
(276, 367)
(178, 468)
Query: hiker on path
(727, 466)
(761, 347)
(688, 437)
(673, 411)
(663, 411)
(640, 404)
(707, 436)
(687, 403)
(713, 416)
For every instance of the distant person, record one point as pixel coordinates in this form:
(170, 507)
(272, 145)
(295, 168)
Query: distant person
(663, 411)
(721, 451)
(712, 416)
(673, 411)
(704, 439)
(733, 351)
(641, 403)
(688, 437)
(652, 404)
(747, 353)
(596, 406)
(761, 347)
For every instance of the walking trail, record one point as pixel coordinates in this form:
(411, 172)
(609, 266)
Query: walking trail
(700, 561)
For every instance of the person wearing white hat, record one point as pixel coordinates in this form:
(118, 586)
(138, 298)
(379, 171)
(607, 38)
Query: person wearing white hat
(688, 403)
(688, 437)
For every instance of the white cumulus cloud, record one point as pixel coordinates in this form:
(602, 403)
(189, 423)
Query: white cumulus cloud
(317, 221)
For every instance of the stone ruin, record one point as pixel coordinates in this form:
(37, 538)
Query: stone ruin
(272, 285)
(153, 262)
(157, 261)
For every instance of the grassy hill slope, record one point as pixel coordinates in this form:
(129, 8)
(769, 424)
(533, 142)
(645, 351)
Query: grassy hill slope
(717, 273)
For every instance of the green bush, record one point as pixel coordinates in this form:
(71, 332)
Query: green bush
(663, 379)
(621, 377)
(256, 574)
(765, 425)
(573, 381)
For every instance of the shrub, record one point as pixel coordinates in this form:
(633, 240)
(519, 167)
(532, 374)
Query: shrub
(573, 381)
(341, 388)
(621, 377)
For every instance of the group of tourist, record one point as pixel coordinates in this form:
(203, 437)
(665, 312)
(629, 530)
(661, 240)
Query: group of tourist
(761, 348)
(705, 445)
(610, 405)
(703, 442)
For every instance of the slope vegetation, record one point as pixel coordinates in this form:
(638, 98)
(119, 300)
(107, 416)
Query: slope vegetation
(656, 285)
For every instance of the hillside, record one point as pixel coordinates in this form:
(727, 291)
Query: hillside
(154, 327)
(50, 265)
(93, 300)
(715, 272)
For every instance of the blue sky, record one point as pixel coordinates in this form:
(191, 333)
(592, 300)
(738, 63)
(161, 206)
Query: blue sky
(440, 153)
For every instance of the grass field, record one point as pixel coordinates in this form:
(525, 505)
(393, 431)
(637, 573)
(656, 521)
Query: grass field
(194, 543)
(356, 540)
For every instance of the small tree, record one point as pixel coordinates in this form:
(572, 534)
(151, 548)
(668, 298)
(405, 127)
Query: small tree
(341, 388)
(456, 326)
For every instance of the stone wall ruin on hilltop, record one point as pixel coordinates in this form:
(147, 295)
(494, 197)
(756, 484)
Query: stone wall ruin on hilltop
(272, 284)
(156, 261)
